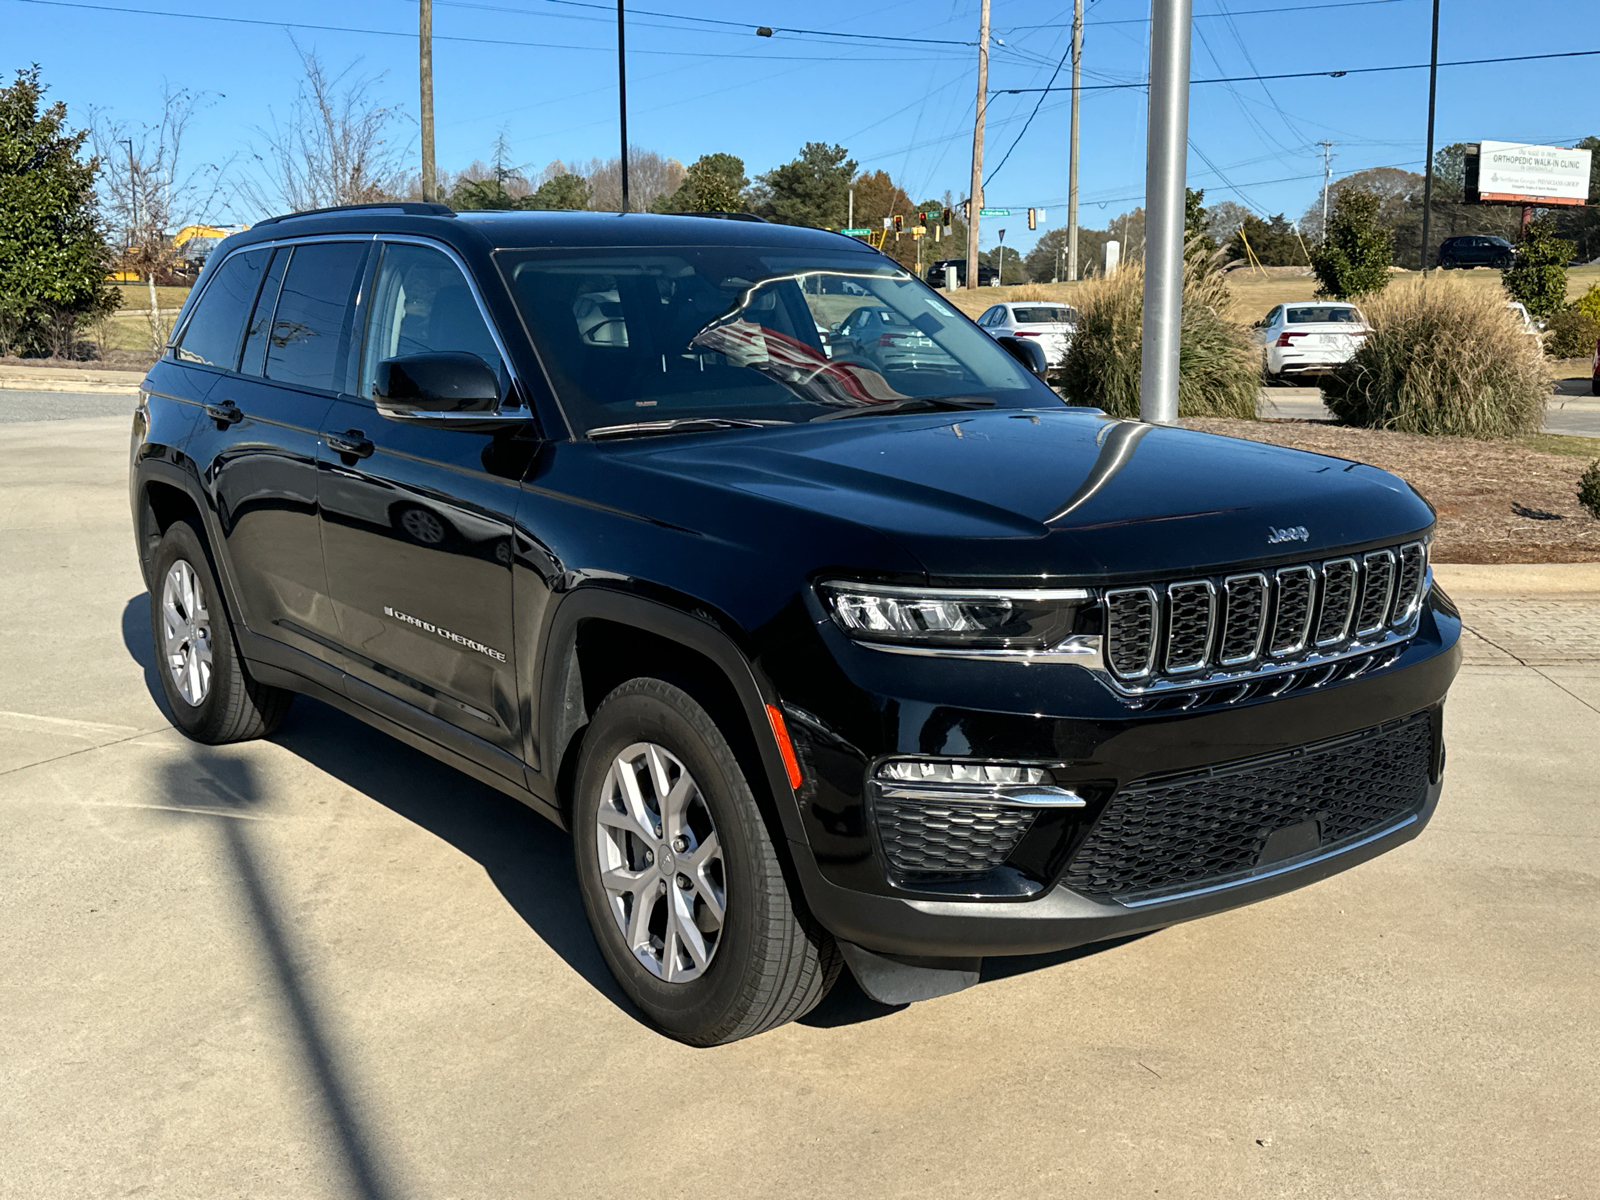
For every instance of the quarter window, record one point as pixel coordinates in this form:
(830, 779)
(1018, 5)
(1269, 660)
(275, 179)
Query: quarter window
(214, 332)
(422, 303)
(311, 327)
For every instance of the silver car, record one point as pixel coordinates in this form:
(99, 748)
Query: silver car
(1052, 325)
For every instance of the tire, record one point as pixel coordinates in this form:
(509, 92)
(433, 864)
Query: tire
(768, 962)
(213, 700)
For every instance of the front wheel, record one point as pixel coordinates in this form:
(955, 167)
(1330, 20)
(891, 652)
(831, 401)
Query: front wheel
(679, 877)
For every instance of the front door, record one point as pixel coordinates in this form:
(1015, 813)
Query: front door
(417, 518)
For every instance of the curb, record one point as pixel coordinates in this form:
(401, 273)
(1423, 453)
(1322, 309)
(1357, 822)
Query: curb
(1567, 581)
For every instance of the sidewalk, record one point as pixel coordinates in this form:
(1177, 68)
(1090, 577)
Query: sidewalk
(69, 379)
(1543, 615)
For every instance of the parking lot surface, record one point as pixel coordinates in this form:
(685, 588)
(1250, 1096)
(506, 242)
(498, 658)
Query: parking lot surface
(325, 966)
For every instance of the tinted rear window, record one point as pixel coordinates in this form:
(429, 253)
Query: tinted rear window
(1044, 315)
(311, 328)
(217, 327)
(1317, 315)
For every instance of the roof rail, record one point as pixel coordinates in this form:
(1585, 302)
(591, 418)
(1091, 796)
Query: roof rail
(405, 207)
(726, 216)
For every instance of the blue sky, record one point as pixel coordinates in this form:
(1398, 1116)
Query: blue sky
(906, 107)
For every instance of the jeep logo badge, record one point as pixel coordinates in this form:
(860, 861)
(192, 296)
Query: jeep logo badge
(1294, 533)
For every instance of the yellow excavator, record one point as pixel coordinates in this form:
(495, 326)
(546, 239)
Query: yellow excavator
(192, 243)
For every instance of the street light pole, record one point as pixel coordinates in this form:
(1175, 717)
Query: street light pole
(1165, 160)
(133, 198)
(622, 101)
(1427, 167)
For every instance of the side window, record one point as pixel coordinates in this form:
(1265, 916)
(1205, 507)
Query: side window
(1272, 317)
(254, 357)
(990, 315)
(311, 327)
(421, 303)
(213, 334)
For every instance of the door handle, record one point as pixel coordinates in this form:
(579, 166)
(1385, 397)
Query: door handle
(351, 443)
(224, 414)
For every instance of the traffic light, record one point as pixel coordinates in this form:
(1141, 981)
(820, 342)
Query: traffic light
(898, 222)
(946, 215)
(966, 211)
(1032, 222)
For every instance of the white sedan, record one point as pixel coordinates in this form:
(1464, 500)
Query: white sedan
(1310, 337)
(1052, 324)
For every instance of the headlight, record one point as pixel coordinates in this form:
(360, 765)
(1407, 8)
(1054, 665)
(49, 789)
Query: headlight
(1002, 619)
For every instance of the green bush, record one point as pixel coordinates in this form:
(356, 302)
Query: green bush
(1218, 364)
(1538, 274)
(1589, 302)
(1353, 260)
(1442, 358)
(1571, 334)
(1589, 488)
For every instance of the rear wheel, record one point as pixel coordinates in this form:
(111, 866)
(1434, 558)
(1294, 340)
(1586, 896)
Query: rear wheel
(680, 879)
(212, 697)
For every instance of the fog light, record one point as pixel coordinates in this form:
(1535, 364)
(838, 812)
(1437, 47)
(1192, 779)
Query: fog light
(919, 770)
(1012, 785)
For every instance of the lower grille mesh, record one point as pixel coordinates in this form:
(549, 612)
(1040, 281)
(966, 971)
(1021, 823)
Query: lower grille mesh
(1187, 830)
(922, 837)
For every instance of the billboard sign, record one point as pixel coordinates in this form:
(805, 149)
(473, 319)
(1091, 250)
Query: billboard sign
(1515, 173)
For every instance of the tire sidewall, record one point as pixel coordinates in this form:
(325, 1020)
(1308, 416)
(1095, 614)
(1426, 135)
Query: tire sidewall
(693, 1010)
(181, 542)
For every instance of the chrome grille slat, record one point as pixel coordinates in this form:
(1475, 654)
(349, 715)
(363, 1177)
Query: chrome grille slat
(1377, 585)
(1191, 618)
(1408, 581)
(1131, 632)
(1244, 623)
(1291, 618)
(1338, 600)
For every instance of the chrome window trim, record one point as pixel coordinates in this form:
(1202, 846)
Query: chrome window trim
(1388, 594)
(1355, 599)
(1155, 629)
(1311, 609)
(1211, 626)
(1261, 625)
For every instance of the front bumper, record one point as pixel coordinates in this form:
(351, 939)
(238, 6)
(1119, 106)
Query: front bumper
(881, 705)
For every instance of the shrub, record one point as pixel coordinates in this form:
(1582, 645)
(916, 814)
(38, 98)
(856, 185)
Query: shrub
(1442, 358)
(1571, 334)
(1589, 488)
(1354, 257)
(1589, 302)
(1538, 274)
(1218, 365)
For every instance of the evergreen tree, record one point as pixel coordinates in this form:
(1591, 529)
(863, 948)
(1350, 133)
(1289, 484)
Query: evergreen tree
(1353, 260)
(713, 183)
(1538, 274)
(812, 190)
(1272, 243)
(567, 191)
(53, 255)
(1198, 246)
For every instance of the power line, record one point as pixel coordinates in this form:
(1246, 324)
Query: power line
(481, 41)
(1004, 157)
(1240, 12)
(1463, 62)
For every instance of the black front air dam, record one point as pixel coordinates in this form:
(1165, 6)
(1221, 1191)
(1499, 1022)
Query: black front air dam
(964, 929)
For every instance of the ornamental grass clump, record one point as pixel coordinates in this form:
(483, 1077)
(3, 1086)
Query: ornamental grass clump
(1589, 488)
(1445, 359)
(1218, 365)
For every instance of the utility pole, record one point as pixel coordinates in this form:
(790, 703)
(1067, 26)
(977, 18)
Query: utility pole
(622, 100)
(1327, 180)
(1072, 152)
(1165, 161)
(430, 191)
(976, 201)
(1427, 167)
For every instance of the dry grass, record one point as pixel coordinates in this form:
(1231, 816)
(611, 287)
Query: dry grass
(1218, 372)
(1498, 502)
(1442, 358)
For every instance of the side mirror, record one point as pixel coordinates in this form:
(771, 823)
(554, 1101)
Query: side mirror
(1030, 354)
(441, 381)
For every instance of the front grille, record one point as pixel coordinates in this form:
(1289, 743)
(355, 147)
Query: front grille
(1189, 830)
(929, 838)
(1205, 631)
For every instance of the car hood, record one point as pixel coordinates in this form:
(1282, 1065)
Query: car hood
(1060, 493)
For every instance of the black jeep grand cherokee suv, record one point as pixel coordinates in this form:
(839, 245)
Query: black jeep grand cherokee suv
(825, 650)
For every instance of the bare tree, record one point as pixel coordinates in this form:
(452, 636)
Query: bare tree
(148, 192)
(337, 145)
(649, 177)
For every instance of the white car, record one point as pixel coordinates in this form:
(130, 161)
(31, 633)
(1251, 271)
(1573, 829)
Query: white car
(1310, 337)
(1052, 324)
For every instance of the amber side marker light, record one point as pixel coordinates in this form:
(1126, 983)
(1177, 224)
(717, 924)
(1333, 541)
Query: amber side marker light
(780, 731)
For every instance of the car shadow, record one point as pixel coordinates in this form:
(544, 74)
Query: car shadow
(528, 859)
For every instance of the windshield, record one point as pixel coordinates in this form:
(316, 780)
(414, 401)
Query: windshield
(749, 333)
(1320, 315)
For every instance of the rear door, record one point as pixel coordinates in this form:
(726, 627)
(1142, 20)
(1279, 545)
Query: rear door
(257, 446)
(417, 518)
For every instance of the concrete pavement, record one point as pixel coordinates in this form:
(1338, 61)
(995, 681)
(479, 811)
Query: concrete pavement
(325, 966)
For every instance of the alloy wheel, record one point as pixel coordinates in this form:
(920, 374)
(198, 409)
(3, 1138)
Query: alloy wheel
(661, 863)
(186, 633)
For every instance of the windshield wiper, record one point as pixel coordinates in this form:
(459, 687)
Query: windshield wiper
(911, 404)
(676, 425)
